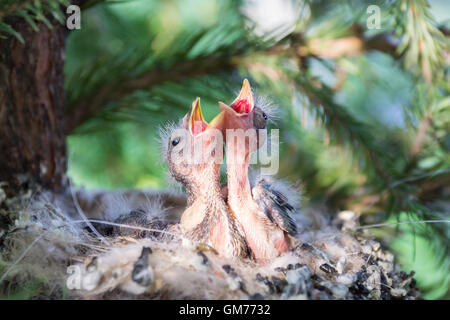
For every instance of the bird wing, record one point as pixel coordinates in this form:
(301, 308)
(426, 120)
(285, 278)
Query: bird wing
(275, 205)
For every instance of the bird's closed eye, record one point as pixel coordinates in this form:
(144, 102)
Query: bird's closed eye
(175, 141)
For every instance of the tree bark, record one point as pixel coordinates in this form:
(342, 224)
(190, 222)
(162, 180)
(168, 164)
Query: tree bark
(32, 102)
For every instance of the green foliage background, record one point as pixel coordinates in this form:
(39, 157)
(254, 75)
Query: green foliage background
(364, 114)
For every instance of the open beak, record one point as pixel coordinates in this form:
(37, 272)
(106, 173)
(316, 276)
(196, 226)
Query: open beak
(197, 123)
(217, 122)
(244, 103)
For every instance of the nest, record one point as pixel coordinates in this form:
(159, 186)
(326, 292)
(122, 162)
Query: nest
(48, 242)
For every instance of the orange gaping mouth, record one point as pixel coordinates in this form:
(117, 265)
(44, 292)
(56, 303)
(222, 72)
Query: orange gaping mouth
(244, 103)
(197, 123)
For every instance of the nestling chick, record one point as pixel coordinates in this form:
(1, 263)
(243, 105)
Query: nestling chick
(194, 154)
(263, 212)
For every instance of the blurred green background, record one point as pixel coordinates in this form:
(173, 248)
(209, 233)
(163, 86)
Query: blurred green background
(364, 113)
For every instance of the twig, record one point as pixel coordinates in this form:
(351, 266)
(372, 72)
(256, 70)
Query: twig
(124, 226)
(85, 219)
(330, 235)
(425, 124)
(419, 177)
(399, 223)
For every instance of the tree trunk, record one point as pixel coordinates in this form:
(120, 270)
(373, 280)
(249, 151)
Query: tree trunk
(32, 101)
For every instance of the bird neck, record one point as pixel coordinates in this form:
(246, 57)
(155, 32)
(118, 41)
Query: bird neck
(237, 170)
(205, 185)
(205, 206)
